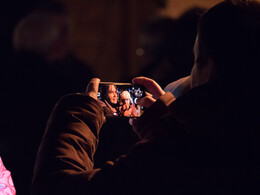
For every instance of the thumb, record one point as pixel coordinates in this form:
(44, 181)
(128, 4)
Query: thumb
(92, 88)
(146, 102)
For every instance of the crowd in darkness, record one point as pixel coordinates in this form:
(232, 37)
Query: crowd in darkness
(199, 132)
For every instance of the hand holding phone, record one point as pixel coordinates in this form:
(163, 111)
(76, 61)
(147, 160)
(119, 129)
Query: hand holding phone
(154, 88)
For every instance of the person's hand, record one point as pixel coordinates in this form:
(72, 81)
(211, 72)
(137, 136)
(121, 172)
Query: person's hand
(92, 88)
(124, 108)
(154, 88)
(155, 92)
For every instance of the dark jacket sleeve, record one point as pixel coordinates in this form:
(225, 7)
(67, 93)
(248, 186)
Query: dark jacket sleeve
(149, 124)
(65, 157)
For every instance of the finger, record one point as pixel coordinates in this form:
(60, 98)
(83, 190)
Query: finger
(148, 94)
(153, 87)
(134, 123)
(146, 101)
(131, 121)
(92, 88)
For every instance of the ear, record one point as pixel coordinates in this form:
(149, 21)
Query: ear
(202, 74)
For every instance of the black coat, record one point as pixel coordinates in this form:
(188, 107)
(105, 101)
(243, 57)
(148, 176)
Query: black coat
(205, 142)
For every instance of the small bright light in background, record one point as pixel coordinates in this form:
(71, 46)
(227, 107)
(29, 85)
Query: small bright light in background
(139, 52)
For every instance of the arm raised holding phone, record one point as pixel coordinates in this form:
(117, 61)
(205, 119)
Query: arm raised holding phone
(65, 162)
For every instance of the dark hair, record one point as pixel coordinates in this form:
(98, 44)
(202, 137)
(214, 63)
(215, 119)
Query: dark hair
(104, 92)
(230, 34)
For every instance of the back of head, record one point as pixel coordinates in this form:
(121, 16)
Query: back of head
(42, 30)
(229, 34)
(34, 33)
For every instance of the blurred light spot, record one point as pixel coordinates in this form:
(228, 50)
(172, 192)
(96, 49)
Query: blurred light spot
(140, 52)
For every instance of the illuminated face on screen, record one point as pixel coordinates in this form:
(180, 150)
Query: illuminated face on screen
(125, 99)
(112, 94)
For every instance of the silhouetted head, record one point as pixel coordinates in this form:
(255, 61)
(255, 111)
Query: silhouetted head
(44, 31)
(228, 43)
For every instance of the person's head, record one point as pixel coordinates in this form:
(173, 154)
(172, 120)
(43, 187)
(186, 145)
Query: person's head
(44, 31)
(110, 94)
(125, 99)
(228, 43)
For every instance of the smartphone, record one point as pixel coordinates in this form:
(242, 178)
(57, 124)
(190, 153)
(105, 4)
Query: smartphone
(120, 99)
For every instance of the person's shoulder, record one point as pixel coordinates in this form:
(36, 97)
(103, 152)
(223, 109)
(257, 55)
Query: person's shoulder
(173, 85)
(178, 87)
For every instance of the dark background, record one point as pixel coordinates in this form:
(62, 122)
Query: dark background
(104, 33)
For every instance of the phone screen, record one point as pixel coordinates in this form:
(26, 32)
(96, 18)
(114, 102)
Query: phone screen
(120, 99)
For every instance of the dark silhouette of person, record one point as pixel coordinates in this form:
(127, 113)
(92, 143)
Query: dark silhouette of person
(204, 142)
(45, 33)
